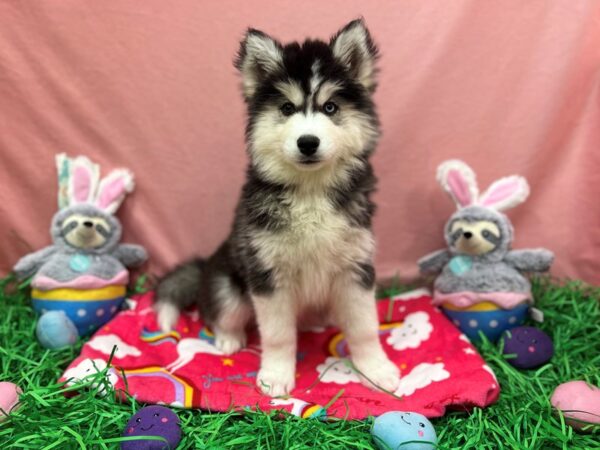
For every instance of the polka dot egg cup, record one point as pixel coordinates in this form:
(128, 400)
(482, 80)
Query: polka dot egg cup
(88, 309)
(486, 317)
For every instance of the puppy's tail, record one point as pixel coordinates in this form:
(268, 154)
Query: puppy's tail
(176, 291)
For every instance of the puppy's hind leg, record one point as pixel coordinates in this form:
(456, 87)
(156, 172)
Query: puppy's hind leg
(176, 291)
(233, 314)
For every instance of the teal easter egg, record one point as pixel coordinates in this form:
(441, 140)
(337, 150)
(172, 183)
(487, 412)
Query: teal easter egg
(55, 330)
(400, 430)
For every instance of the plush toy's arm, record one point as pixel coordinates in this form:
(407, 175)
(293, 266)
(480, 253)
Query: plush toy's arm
(131, 255)
(533, 260)
(29, 264)
(434, 262)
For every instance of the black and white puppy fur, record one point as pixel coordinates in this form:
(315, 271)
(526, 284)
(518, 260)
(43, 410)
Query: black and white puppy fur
(301, 247)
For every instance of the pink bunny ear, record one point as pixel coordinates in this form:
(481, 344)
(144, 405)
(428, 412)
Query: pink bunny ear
(505, 193)
(458, 180)
(83, 180)
(113, 189)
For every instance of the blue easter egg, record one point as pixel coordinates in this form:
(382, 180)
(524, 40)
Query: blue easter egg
(400, 430)
(55, 330)
(460, 264)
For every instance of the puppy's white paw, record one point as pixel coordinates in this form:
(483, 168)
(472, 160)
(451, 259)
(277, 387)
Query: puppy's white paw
(275, 383)
(379, 374)
(230, 343)
(167, 316)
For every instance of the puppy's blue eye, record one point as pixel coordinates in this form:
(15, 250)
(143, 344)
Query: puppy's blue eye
(330, 108)
(287, 109)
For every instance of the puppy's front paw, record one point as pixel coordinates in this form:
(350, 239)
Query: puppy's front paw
(379, 374)
(275, 382)
(230, 343)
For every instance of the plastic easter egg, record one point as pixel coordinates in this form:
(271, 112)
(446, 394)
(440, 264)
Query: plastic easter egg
(486, 317)
(9, 398)
(531, 346)
(403, 431)
(580, 404)
(55, 330)
(153, 421)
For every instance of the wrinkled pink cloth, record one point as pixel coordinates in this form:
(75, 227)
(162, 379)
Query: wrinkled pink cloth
(507, 86)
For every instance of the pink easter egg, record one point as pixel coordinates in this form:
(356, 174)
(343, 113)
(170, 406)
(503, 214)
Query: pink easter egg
(579, 403)
(9, 397)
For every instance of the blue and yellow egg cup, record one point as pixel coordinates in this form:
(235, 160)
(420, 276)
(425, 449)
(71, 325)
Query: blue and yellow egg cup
(88, 309)
(486, 317)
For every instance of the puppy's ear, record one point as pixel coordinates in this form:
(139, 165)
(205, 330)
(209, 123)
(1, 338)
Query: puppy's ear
(259, 56)
(354, 48)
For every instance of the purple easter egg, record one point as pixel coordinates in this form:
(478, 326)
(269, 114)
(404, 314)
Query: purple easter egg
(531, 346)
(153, 421)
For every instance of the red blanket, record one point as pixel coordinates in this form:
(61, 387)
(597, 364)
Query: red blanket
(440, 368)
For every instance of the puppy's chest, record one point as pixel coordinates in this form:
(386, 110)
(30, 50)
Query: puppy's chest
(316, 236)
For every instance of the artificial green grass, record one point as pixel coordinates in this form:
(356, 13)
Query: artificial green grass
(521, 419)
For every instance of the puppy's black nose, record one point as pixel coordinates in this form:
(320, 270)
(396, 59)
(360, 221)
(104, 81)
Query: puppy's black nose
(468, 235)
(88, 224)
(308, 144)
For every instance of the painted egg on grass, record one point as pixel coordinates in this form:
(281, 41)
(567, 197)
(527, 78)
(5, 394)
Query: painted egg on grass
(486, 317)
(531, 346)
(153, 421)
(580, 404)
(55, 330)
(9, 398)
(403, 431)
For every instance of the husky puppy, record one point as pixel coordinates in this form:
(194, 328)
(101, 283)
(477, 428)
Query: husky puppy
(301, 246)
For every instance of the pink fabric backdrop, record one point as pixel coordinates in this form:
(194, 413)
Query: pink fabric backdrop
(508, 86)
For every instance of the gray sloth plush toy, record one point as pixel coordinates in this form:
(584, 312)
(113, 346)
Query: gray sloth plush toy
(479, 271)
(79, 282)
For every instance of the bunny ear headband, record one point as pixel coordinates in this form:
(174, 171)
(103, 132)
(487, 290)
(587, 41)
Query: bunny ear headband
(79, 182)
(458, 180)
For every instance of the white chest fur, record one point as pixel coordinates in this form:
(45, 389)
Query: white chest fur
(317, 245)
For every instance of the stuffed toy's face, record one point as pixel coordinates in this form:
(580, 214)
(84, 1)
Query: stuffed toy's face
(474, 237)
(83, 231)
(85, 227)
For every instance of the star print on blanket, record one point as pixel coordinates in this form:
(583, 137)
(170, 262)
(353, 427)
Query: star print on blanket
(440, 368)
